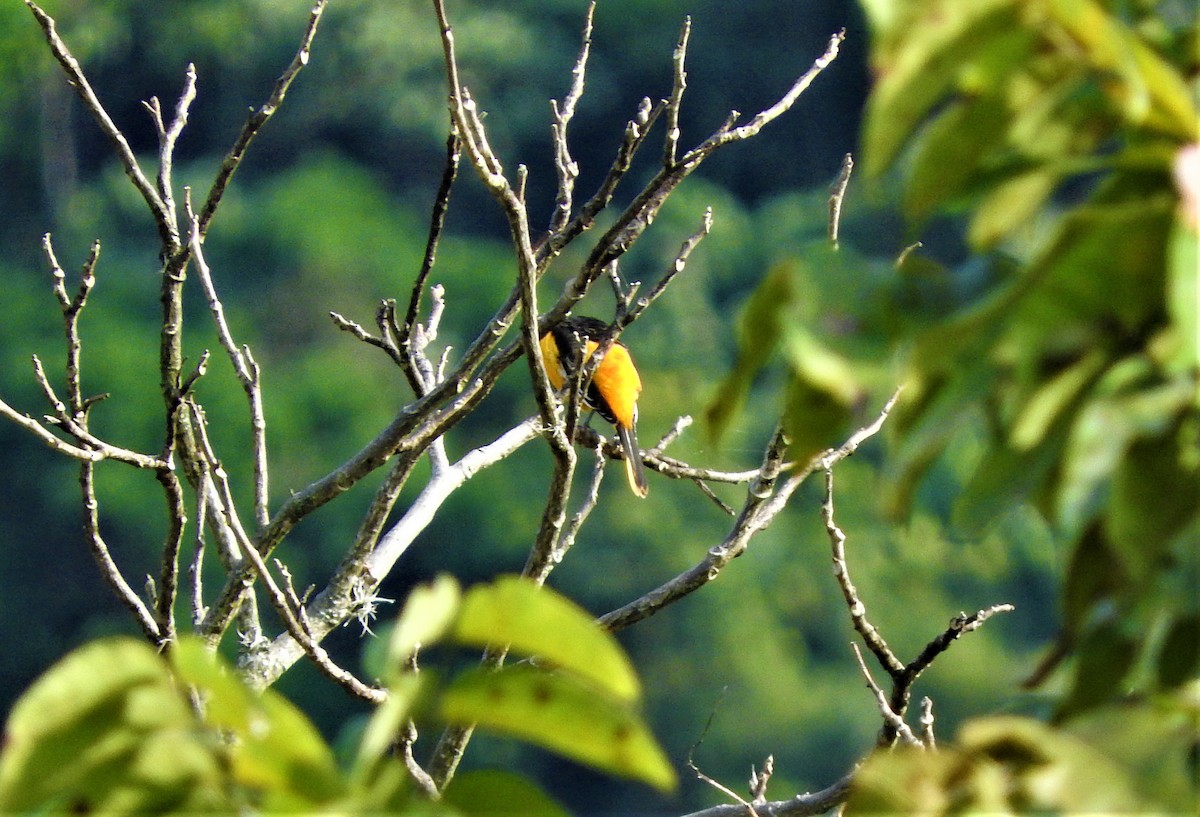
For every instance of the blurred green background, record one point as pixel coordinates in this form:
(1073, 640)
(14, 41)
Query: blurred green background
(329, 212)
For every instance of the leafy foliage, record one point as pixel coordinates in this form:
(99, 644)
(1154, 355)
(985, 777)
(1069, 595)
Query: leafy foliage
(1058, 123)
(114, 727)
(1017, 765)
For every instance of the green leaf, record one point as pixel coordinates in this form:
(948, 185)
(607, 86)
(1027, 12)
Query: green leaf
(487, 793)
(106, 730)
(384, 725)
(1143, 518)
(428, 613)
(1183, 297)
(538, 622)
(1010, 205)
(1179, 656)
(759, 332)
(950, 151)
(822, 392)
(1013, 765)
(1048, 769)
(921, 54)
(285, 756)
(1105, 655)
(277, 750)
(1154, 741)
(1092, 574)
(1007, 476)
(1150, 91)
(1056, 398)
(557, 712)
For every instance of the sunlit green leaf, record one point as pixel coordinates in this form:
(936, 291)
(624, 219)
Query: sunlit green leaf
(1010, 205)
(276, 749)
(759, 331)
(555, 711)
(1049, 769)
(485, 793)
(384, 725)
(538, 622)
(428, 614)
(105, 729)
(228, 702)
(822, 391)
(1154, 741)
(1183, 297)
(286, 756)
(1007, 765)
(1056, 396)
(919, 56)
(1150, 91)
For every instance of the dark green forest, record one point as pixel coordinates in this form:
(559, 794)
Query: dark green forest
(1017, 187)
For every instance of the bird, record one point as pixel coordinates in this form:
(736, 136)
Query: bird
(613, 390)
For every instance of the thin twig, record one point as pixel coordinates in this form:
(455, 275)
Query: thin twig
(768, 115)
(258, 118)
(168, 135)
(802, 805)
(169, 572)
(716, 784)
(837, 193)
(889, 716)
(750, 521)
(671, 140)
(437, 221)
(678, 265)
(591, 498)
(759, 780)
(124, 152)
(927, 738)
(196, 569)
(244, 366)
(564, 165)
(858, 612)
(108, 567)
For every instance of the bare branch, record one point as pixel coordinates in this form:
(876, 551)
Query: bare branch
(681, 259)
(858, 612)
(168, 135)
(764, 500)
(927, 738)
(756, 513)
(889, 716)
(671, 141)
(564, 165)
(258, 118)
(802, 805)
(104, 560)
(691, 764)
(125, 153)
(244, 366)
(195, 569)
(373, 556)
(837, 193)
(168, 580)
(768, 115)
(759, 780)
(437, 221)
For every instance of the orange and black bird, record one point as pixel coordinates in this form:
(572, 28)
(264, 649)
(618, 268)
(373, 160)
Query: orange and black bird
(613, 390)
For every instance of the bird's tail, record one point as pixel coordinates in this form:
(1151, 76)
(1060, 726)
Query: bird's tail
(633, 460)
